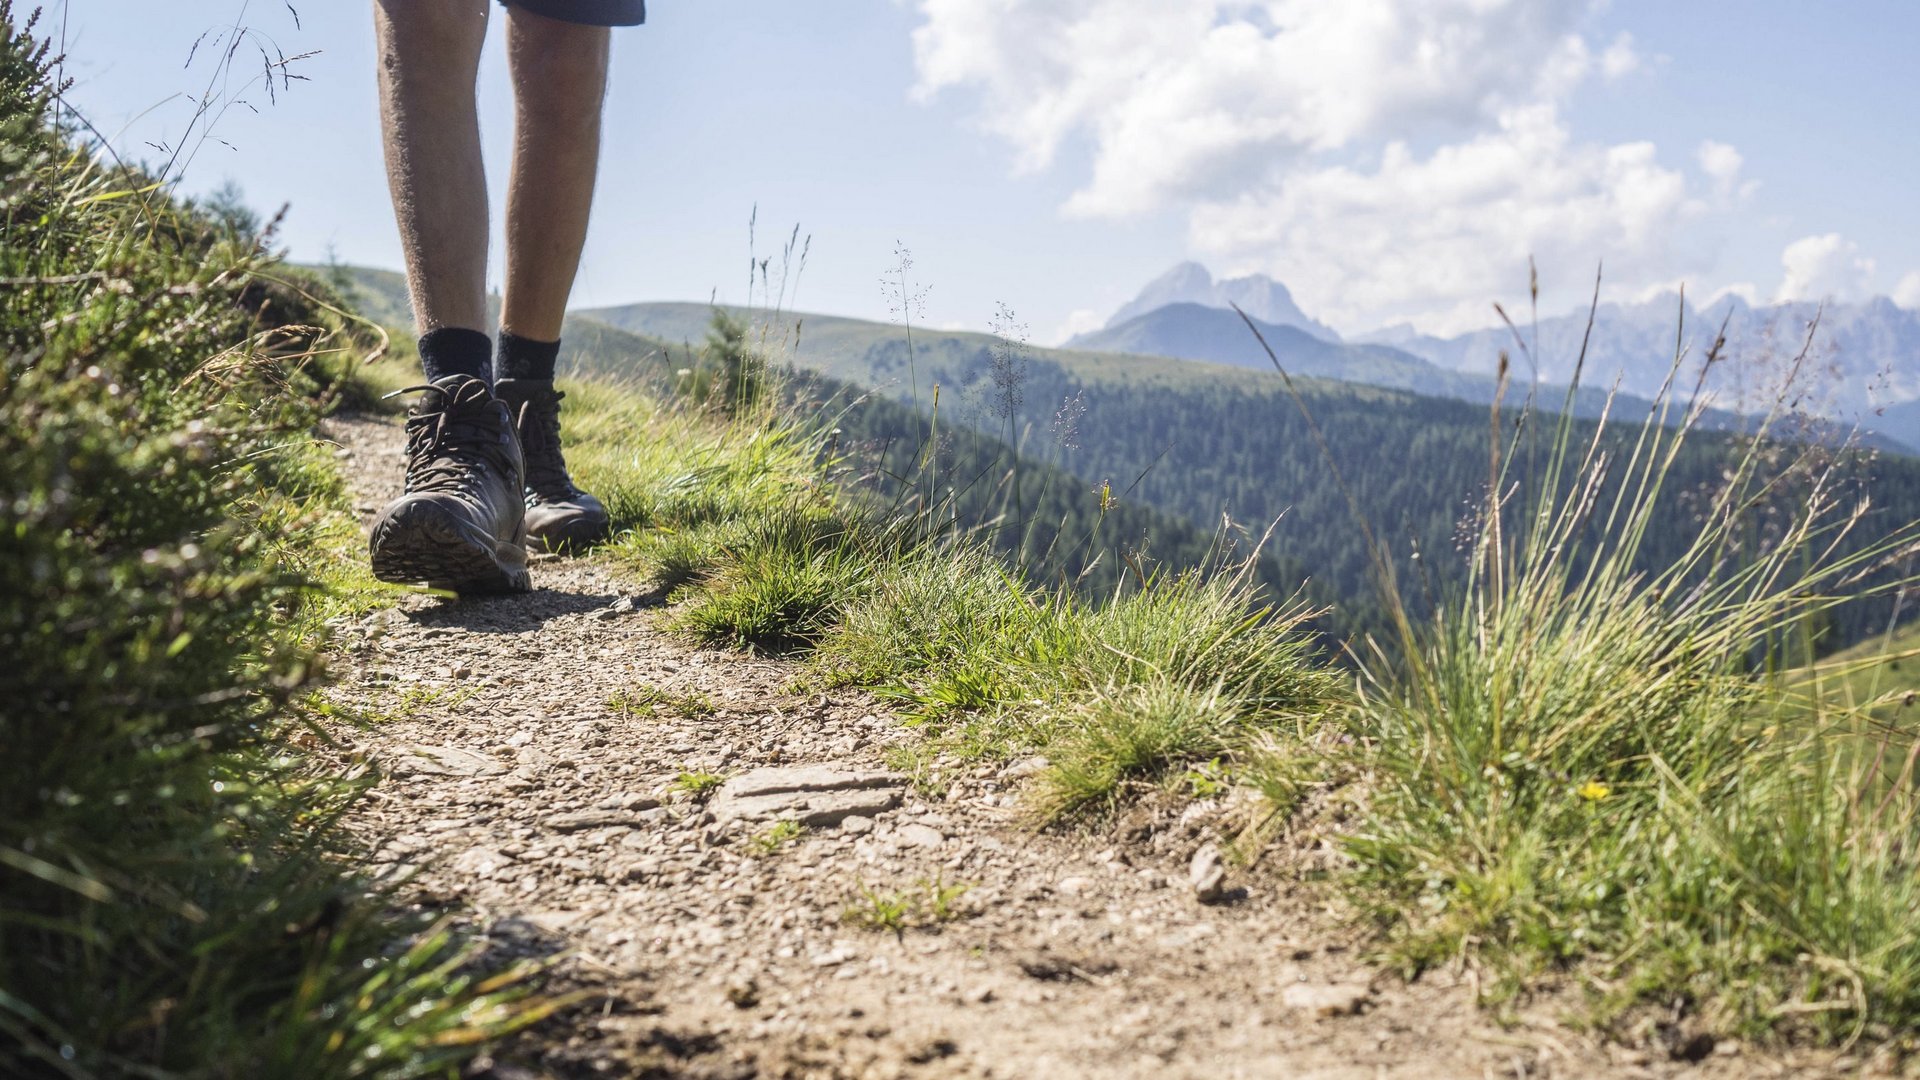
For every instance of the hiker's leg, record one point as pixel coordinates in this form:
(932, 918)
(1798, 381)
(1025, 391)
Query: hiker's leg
(429, 54)
(559, 81)
(462, 523)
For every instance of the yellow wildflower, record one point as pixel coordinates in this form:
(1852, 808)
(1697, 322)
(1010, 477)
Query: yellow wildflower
(1593, 791)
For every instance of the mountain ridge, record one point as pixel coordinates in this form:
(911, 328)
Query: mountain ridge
(1850, 364)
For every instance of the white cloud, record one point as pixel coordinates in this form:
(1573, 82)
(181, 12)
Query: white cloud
(1184, 99)
(1907, 293)
(1826, 267)
(1721, 163)
(1620, 59)
(1746, 291)
(1078, 321)
(1285, 130)
(1434, 239)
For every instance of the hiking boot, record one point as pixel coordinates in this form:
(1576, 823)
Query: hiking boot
(461, 525)
(560, 517)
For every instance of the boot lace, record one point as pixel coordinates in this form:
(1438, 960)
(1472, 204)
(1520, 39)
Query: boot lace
(450, 447)
(547, 477)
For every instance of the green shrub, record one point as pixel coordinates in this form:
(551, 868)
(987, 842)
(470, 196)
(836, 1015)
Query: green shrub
(170, 900)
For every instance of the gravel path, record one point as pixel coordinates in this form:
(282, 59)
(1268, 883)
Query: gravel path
(528, 749)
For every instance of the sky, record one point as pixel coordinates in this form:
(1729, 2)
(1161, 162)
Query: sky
(1389, 160)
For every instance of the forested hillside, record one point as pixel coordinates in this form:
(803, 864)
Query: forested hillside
(1057, 524)
(1200, 442)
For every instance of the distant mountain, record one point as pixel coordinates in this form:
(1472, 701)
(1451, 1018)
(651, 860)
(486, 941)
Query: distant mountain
(1863, 367)
(1187, 331)
(1190, 283)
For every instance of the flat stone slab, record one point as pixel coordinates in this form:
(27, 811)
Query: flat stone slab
(787, 778)
(581, 820)
(816, 796)
(447, 761)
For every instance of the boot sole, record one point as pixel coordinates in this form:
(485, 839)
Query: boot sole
(417, 541)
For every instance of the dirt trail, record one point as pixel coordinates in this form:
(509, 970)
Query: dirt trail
(527, 786)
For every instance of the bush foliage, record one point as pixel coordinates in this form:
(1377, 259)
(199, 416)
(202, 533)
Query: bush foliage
(170, 900)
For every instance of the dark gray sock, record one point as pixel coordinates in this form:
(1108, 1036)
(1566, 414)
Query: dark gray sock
(524, 358)
(454, 350)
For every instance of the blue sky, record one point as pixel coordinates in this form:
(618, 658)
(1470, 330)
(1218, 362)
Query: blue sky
(1388, 159)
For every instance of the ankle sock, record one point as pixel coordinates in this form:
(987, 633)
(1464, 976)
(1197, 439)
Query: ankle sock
(524, 358)
(454, 350)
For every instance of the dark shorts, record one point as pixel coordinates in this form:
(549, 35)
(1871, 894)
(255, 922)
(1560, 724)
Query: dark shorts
(590, 12)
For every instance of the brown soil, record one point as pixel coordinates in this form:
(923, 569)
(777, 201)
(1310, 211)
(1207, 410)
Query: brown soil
(523, 795)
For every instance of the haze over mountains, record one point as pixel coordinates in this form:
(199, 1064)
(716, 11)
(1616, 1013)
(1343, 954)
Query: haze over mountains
(1862, 365)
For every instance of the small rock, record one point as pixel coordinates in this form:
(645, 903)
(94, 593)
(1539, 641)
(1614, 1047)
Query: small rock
(919, 836)
(479, 862)
(1027, 766)
(1324, 1000)
(1208, 874)
(856, 825)
(1073, 886)
(743, 992)
(932, 1050)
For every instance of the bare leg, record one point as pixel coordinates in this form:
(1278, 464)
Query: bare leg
(429, 60)
(559, 80)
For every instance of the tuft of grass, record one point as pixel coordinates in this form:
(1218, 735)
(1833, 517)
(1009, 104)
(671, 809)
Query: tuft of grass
(926, 903)
(776, 836)
(646, 701)
(884, 911)
(1181, 672)
(776, 591)
(742, 516)
(1144, 730)
(697, 785)
(1579, 763)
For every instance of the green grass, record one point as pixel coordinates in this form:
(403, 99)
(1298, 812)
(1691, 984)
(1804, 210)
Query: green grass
(652, 701)
(1879, 677)
(697, 784)
(1576, 766)
(742, 519)
(926, 903)
(175, 891)
(775, 836)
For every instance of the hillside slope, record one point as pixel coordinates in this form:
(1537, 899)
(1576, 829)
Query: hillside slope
(1187, 439)
(1199, 440)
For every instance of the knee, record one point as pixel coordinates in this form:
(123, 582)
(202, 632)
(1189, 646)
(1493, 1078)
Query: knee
(559, 68)
(409, 26)
(431, 44)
